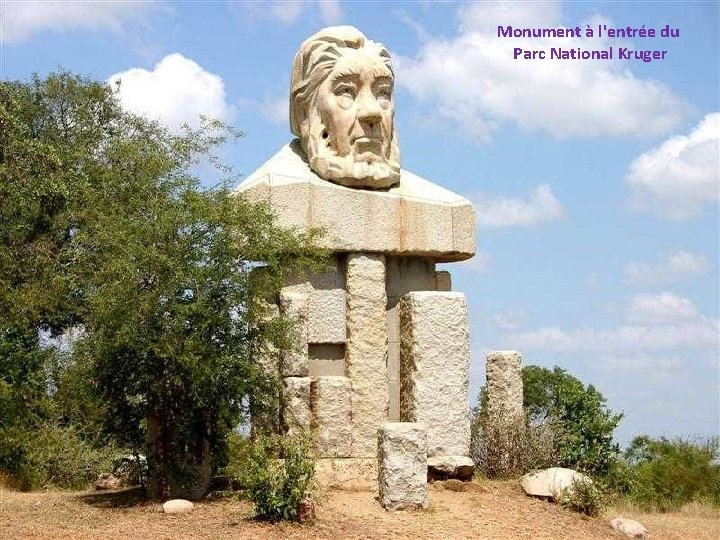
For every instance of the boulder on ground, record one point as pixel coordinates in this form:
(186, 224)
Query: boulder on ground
(178, 506)
(551, 482)
(448, 467)
(629, 527)
(108, 481)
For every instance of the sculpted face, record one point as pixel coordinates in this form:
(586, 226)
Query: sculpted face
(345, 122)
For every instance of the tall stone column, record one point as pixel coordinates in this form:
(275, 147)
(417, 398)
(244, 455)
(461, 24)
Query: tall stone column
(434, 369)
(367, 349)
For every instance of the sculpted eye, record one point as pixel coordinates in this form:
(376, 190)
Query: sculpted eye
(345, 89)
(383, 91)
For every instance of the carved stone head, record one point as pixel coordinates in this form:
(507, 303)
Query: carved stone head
(342, 108)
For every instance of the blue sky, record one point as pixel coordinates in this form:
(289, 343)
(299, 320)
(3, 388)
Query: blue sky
(595, 182)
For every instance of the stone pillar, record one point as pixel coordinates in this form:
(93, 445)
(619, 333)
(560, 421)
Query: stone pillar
(366, 354)
(330, 403)
(296, 407)
(294, 306)
(434, 369)
(503, 370)
(402, 465)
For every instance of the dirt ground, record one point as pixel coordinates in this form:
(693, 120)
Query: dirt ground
(491, 510)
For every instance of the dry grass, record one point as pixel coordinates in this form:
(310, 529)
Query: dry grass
(697, 521)
(493, 510)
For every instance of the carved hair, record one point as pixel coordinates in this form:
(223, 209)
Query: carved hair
(315, 60)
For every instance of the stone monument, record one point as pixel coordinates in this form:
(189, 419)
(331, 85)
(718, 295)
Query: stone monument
(380, 337)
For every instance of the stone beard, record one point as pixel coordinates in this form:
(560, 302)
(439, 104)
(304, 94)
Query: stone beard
(342, 109)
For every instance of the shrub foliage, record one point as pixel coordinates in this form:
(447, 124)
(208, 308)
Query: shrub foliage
(277, 475)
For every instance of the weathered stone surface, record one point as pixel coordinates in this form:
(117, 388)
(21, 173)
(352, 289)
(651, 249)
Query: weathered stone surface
(108, 481)
(443, 281)
(326, 323)
(629, 527)
(449, 467)
(366, 354)
(402, 465)
(551, 482)
(327, 359)
(434, 369)
(415, 218)
(178, 506)
(294, 306)
(504, 387)
(404, 274)
(330, 402)
(268, 355)
(296, 410)
(356, 474)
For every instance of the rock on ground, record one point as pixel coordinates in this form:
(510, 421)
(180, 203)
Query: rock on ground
(108, 481)
(178, 506)
(444, 467)
(551, 482)
(629, 527)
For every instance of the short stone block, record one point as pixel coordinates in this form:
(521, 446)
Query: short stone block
(402, 465)
(354, 474)
(296, 411)
(294, 306)
(326, 322)
(331, 405)
(434, 369)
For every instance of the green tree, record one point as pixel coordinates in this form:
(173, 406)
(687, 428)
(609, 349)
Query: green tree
(104, 224)
(669, 473)
(584, 423)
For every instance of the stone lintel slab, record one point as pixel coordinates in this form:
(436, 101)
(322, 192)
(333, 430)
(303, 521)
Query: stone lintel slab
(434, 368)
(415, 218)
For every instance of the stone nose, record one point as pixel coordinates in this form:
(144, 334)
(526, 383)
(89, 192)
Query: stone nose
(369, 109)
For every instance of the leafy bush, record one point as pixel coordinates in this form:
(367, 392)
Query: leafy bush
(670, 473)
(510, 449)
(584, 424)
(584, 497)
(58, 456)
(277, 474)
(566, 423)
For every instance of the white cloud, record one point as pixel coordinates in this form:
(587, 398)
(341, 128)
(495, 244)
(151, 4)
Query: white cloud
(679, 265)
(175, 92)
(540, 206)
(475, 84)
(288, 12)
(675, 179)
(21, 20)
(481, 263)
(510, 320)
(662, 308)
(640, 362)
(654, 322)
